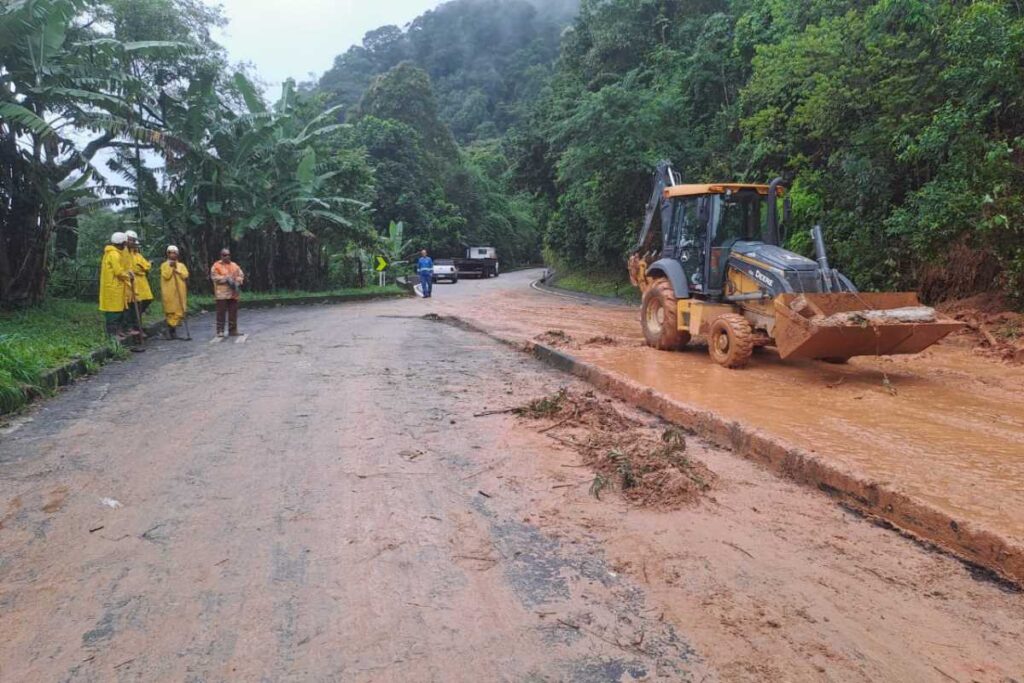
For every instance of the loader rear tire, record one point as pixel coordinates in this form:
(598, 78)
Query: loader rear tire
(731, 341)
(658, 318)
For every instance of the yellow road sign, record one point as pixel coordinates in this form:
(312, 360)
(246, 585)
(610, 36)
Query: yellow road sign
(382, 264)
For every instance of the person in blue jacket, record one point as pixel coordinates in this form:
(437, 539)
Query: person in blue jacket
(425, 267)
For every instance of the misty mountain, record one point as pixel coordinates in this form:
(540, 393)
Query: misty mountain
(484, 57)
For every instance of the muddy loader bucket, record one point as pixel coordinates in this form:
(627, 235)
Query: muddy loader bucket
(854, 324)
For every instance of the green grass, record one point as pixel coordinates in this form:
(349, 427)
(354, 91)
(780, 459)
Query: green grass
(599, 284)
(36, 340)
(39, 339)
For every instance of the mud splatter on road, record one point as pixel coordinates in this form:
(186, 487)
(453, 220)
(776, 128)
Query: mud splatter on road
(945, 427)
(282, 530)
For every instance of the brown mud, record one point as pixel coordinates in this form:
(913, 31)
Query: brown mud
(647, 464)
(992, 330)
(944, 427)
(768, 579)
(302, 527)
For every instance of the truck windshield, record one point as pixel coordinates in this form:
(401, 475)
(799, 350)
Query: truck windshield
(738, 216)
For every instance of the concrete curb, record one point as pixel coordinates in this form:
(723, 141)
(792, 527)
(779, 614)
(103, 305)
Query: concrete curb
(963, 539)
(69, 372)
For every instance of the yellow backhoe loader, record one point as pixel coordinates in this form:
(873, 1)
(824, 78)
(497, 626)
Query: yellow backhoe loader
(710, 262)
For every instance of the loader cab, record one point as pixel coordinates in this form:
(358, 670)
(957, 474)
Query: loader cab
(709, 220)
(739, 216)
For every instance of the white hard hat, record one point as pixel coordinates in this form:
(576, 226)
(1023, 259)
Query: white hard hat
(118, 238)
(173, 248)
(132, 235)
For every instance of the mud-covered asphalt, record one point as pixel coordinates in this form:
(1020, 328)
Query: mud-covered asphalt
(301, 506)
(319, 503)
(944, 427)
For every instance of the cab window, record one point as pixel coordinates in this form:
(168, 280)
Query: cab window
(738, 216)
(684, 222)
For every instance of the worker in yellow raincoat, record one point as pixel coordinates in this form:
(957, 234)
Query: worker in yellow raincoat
(173, 290)
(142, 293)
(141, 267)
(115, 282)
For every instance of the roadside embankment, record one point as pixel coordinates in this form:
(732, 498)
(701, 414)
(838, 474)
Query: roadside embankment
(613, 287)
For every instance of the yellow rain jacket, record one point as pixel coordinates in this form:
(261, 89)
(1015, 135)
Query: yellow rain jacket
(141, 267)
(128, 263)
(113, 281)
(174, 292)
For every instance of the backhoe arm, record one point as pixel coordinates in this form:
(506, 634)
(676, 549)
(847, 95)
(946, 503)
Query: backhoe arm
(657, 208)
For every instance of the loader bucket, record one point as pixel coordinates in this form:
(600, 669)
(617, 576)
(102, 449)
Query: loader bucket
(848, 324)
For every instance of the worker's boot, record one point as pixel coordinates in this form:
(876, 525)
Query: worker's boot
(172, 332)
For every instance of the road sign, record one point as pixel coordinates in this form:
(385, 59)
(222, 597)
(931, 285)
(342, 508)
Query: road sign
(382, 264)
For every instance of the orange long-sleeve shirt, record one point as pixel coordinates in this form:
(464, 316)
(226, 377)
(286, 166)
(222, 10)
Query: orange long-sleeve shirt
(220, 273)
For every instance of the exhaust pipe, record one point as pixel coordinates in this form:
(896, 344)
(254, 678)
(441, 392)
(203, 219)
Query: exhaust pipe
(773, 212)
(822, 257)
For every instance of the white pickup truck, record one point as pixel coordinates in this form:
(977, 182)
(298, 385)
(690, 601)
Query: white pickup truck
(444, 269)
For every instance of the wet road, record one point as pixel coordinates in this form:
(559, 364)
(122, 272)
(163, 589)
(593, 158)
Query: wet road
(300, 506)
(945, 427)
(318, 503)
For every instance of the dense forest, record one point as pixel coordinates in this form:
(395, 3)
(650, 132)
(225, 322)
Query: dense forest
(126, 114)
(485, 59)
(897, 124)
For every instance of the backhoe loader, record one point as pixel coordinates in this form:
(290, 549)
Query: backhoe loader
(710, 262)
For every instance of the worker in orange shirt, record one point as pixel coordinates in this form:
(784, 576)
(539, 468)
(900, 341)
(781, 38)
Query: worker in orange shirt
(227, 285)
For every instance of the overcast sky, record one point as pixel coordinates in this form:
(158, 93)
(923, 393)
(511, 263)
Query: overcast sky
(295, 37)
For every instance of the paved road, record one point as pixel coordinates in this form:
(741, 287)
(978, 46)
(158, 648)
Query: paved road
(300, 506)
(319, 503)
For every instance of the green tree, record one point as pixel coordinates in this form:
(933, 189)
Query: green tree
(60, 77)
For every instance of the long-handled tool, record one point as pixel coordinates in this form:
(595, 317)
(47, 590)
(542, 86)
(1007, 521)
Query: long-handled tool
(181, 302)
(138, 319)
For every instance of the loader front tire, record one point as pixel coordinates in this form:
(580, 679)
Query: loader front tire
(658, 318)
(731, 341)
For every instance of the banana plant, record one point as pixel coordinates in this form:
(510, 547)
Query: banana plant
(59, 82)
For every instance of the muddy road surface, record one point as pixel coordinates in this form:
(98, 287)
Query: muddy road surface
(321, 502)
(944, 428)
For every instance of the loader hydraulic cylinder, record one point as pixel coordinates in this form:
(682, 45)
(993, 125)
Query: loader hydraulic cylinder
(752, 296)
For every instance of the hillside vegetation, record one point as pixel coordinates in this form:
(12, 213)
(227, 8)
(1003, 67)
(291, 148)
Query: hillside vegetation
(898, 124)
(485, 58)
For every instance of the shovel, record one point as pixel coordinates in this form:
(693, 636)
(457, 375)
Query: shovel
(184, 311)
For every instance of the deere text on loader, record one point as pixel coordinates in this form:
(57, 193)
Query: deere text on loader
(710, 262)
